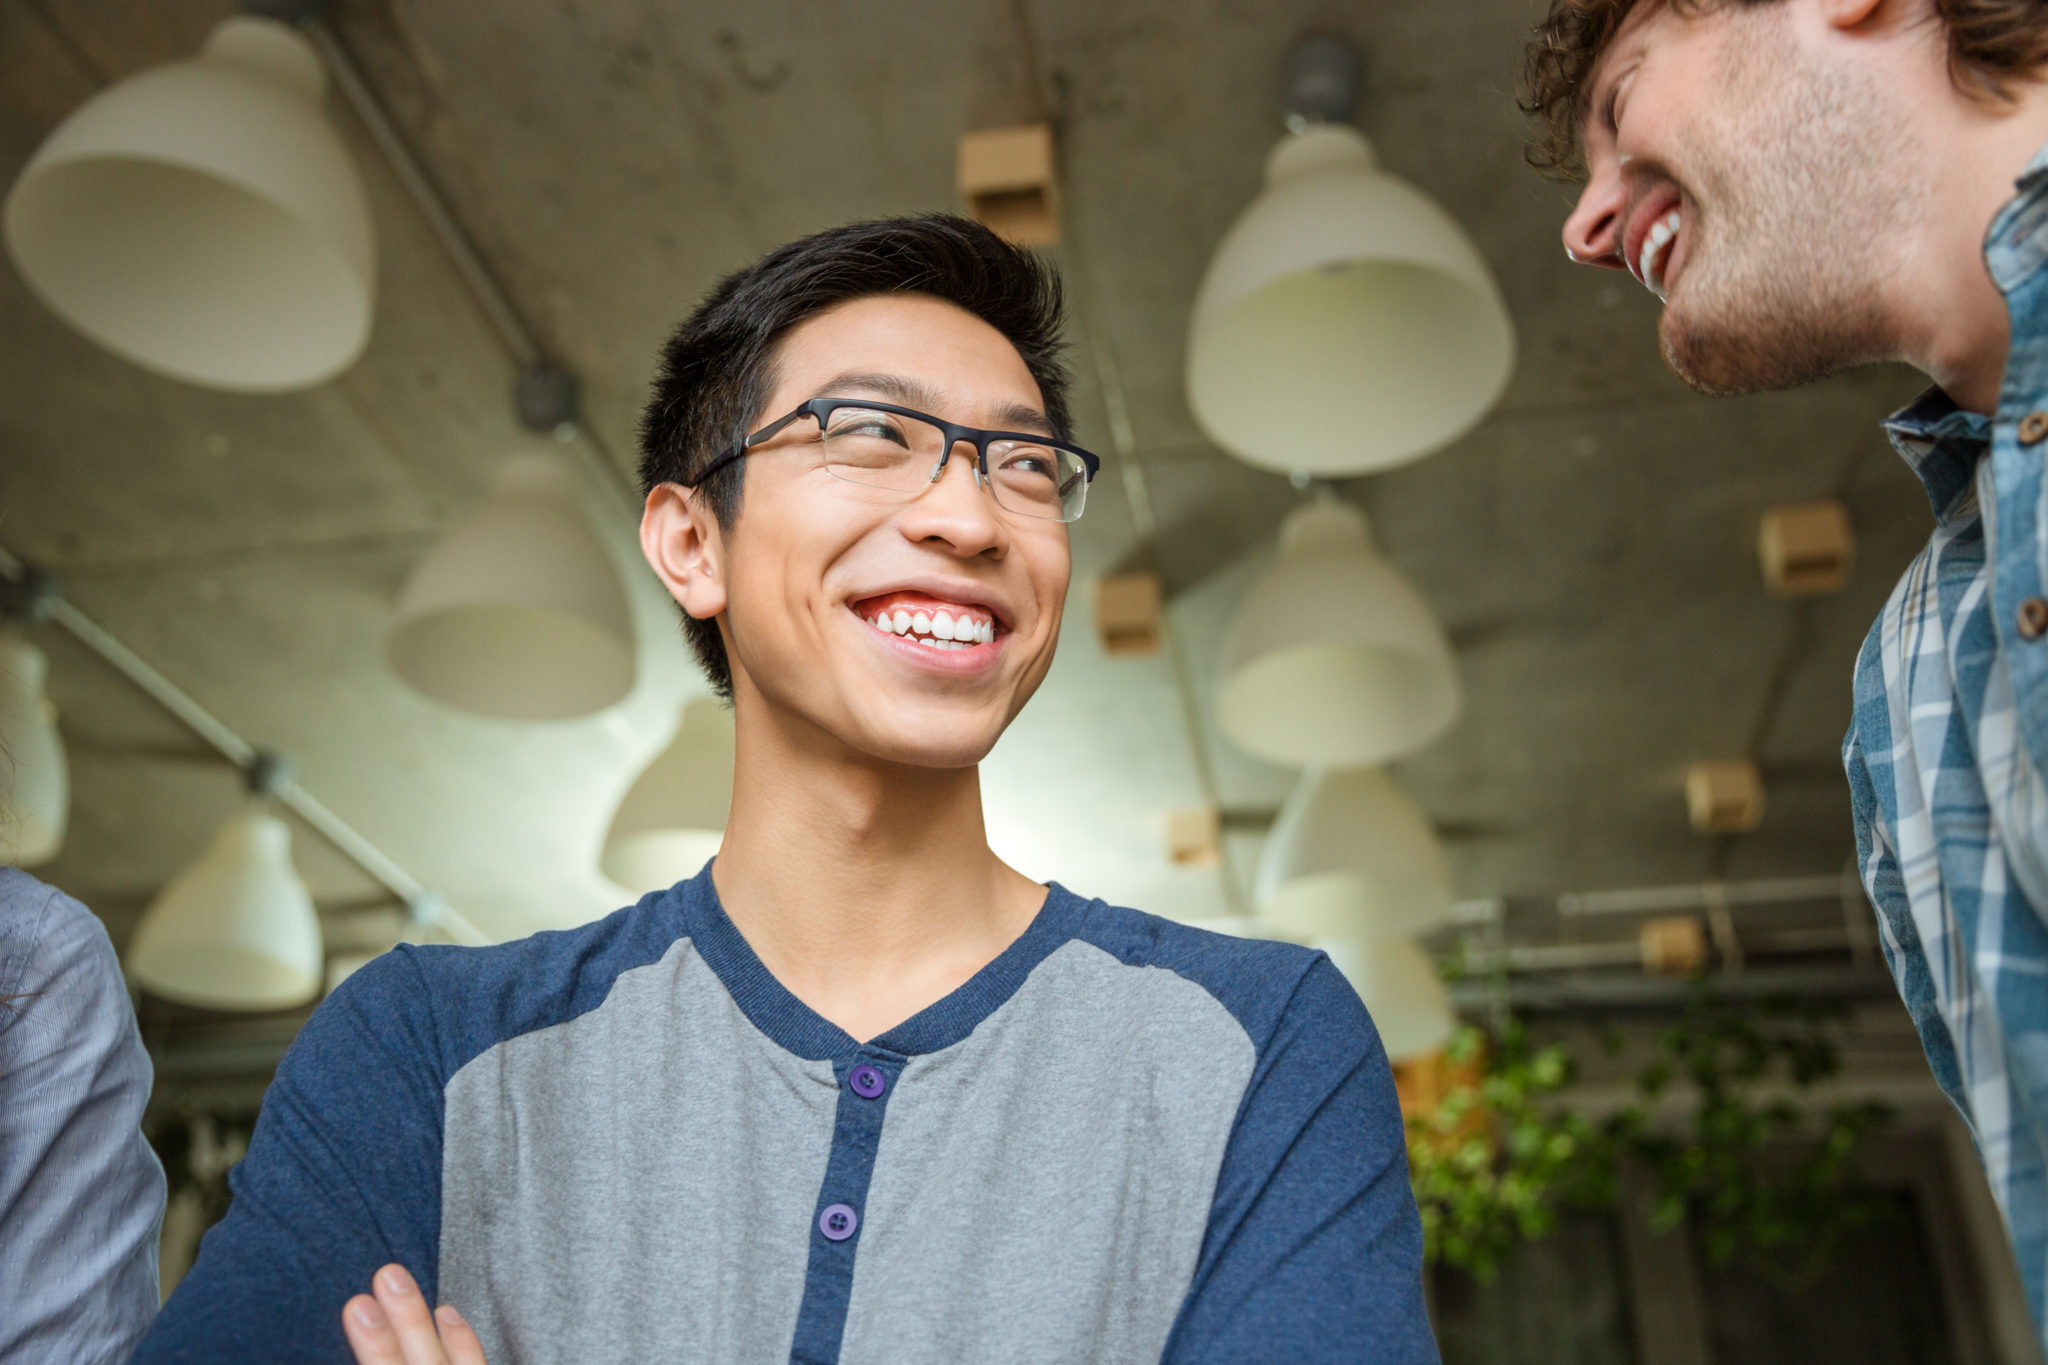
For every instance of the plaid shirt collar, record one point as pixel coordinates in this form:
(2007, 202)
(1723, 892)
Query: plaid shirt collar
(1938, 440)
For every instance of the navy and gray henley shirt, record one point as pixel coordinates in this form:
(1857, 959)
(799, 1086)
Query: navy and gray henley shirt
(1123, 1140)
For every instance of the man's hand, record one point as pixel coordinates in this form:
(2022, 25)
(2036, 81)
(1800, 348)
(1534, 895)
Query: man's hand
(393, 1326)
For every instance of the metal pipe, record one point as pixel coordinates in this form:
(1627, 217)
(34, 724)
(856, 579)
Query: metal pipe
(426, 906)
(1700, 896)
(1130, 468)
(1564, 957)
(1721, 928)
(426, 196)
(513, 331)
(1573, 991)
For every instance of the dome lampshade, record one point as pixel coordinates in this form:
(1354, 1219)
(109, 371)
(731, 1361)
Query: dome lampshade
(672, 819)
(236, 930)
(35, 781)
(1352, 856)
(518, 612)
(1333, 657)
(1401, 990)
(1346, 323)
(203, 220)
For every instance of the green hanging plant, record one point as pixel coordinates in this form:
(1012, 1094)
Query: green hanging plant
(1500, 1156)
(1787, 1219)
(1493, 1162)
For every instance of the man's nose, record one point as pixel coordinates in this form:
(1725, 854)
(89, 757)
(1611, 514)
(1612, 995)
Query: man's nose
(955, 508)
(1592, 235)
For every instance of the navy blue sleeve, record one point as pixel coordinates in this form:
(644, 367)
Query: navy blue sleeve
(343, 1175)
(1314, 1246)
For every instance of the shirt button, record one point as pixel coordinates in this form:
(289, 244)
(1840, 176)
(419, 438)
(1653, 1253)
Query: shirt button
(867, 1081)
(838, 1221)
(2033, 618)
(2033, 427)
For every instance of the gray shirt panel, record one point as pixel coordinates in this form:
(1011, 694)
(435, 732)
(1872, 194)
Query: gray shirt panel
(1053, 1172)
(682, 1199)
(1078, 1129)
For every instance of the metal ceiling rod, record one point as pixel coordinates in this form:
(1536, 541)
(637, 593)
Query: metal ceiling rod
(1572, 992)
(1708, 895)
(1130, 468)
(426, 196)
(427, 907)
(545, 397)
(1323, 76)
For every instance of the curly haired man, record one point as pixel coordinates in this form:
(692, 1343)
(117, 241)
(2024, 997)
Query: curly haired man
(1810, 185)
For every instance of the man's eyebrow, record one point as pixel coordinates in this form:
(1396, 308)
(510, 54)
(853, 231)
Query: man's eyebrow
(1022, 417)
(896, 388)
(915, 393)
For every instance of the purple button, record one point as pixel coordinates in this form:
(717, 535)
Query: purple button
(838, 1221)
(867, 1081)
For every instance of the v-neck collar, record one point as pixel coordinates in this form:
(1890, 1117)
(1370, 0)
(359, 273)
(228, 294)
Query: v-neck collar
(797, 1028)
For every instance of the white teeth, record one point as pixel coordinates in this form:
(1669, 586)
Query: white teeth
(1655, 240)
(938, 629)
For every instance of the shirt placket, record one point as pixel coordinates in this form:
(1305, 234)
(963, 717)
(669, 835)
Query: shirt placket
(867, 1080)
(2015, 519)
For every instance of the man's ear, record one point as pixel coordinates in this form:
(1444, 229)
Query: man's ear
(1843, 14)
(685, 546)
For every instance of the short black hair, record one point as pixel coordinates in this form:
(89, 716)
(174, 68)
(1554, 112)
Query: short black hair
(719, 367)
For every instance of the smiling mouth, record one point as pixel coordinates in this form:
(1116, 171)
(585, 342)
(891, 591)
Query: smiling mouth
(1654, 251)
(927, 621)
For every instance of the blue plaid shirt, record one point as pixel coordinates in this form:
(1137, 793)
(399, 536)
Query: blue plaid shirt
(1949, 741)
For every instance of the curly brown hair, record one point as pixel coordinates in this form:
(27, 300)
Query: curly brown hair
(1992, 44)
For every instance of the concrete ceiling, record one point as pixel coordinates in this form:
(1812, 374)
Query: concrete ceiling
(1590, 547)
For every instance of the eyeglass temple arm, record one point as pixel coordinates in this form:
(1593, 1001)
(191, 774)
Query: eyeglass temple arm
(746, 444)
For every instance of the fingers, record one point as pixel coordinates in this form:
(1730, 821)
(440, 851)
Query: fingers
(458, 1338)
(369, 1333)
(393, 1326)
(413, 1320)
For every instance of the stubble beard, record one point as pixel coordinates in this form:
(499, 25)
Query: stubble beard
(1793, 224)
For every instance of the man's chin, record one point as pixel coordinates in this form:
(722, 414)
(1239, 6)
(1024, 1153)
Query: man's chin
(1725, 347)
(932, 746)
(1722, 360)
(1704, 367)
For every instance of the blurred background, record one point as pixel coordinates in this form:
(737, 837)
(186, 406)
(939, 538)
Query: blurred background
(1418, 612)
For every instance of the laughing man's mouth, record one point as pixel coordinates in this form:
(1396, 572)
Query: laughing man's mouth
(936, 625)
(1650, 265)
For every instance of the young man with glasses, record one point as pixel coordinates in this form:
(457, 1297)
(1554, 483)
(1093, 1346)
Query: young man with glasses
(858, 1091)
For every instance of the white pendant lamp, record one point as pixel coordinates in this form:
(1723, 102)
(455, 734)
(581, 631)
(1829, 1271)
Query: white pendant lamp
(1333, 658)
(35, 780)
(203, 219)
(1346, 322)
(236, 930)
(672, 819)
(1351, 855)
(1401, 990)
(518, 612)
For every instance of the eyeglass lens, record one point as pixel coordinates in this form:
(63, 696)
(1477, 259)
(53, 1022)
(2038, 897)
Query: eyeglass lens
(889, 450)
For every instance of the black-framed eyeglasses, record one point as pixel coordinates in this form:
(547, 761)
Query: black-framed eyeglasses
(881, 445)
